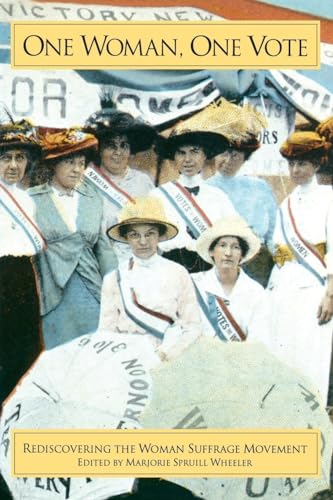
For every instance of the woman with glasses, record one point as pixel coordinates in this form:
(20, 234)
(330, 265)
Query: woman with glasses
(149, 295)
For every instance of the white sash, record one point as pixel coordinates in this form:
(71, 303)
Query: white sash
(192, 214)
(303, 252)
(151, 321)
(16, 212)
(108, 188)
(219, 316)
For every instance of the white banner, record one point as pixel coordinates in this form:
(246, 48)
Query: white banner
(281, 120)
(306, 94)
(27, 10)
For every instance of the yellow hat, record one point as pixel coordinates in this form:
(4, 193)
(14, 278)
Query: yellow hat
(300, 144)
(231, 226)
(325, 128)
(145, 210)
(240, 125)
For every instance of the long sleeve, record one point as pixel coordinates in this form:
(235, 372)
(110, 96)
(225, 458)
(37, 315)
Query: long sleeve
(329, 239)
(105, 255)
(188, 328)
(110, 304)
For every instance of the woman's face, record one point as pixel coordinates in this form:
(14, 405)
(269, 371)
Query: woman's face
(143, 239)
(68, 172)
(115, 155)
(301, 171)
(13, 163)
(190, 160)
(229, 162)
(227, 253)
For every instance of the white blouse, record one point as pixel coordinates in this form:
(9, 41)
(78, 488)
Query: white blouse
(246, 302)
(14, 240)
(312, 208)
(161, 285)
(214, 202)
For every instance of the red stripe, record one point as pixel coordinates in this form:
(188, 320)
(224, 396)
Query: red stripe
(231, 318)
(150, 311)
(117, 188)
(300, 237)
(233, 11)
(23, 212)
(194, 203)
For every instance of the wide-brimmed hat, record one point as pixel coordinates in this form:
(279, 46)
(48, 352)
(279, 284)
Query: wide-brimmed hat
(145, 210)
(305, 144)
(212, 143)
(237, 127)
(19, 134)
(108, 122)
(231, 226)
(65, 141)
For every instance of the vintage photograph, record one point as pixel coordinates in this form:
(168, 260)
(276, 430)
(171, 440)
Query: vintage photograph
(166, 251)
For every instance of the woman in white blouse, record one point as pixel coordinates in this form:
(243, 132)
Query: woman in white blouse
(301, 283)
(231, 302)
(20, 341)
(149, 295)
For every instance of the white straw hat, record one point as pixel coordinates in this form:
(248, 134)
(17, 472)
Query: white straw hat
(231, 226)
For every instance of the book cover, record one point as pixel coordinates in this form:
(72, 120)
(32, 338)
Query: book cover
(110, 379)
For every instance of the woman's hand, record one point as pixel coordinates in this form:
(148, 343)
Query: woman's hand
(325, 309)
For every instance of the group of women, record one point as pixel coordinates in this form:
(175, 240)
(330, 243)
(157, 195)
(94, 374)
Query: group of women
(172, 255)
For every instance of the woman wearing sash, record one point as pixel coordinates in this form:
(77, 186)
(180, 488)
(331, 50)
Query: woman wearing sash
(189, 202)
(69, 213)
(252, 196)
(301, 283)
(230, 300)
(119, 136)
(149, 295)
(20, 334)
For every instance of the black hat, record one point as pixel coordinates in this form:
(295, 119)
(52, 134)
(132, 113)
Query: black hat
(108, 122)
(212, 143)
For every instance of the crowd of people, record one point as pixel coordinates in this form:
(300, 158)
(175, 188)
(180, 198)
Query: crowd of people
(90, 243)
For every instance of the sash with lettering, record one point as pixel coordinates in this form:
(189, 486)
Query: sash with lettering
(153, 322)
(187, 207)
(219, 316)
(16, 212)
(304, 252)
(109, 189)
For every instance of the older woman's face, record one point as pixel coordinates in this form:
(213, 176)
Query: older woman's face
(115, 155)
(301, 171)
(68, 172)
(13, 163)
(143, 240)
(229, 162)
(227, 253)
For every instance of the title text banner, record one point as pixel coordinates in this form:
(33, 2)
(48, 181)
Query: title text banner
(166, 45)
(157, 453)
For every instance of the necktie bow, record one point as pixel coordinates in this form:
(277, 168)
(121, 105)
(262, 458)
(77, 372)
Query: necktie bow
(193, 190)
